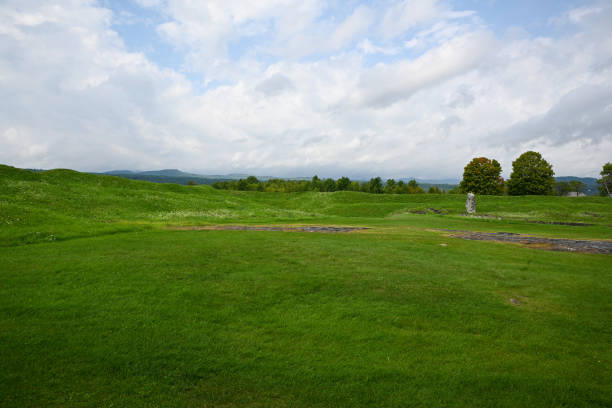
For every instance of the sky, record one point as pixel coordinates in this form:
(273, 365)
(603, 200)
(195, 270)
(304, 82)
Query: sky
(289, 88)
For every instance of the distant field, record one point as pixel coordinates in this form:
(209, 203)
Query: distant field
(103, 303)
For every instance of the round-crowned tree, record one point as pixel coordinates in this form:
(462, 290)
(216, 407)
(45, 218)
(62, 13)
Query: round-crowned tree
(376, 186)
(482, 176)
(605, 182)
(531, 175)
(343, 183)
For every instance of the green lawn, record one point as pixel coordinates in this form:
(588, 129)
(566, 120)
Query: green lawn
(101, 304)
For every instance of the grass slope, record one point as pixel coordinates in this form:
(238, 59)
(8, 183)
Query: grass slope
(116, 310)
(63, 204)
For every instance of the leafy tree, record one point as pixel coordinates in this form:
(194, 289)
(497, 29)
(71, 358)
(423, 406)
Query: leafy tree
(482, 176)
(354, 186)
(315, 184)
(605, 182)
(562, 188)
(252, 184)
(401, 187)
(375, 185)
(531, 175)
(328, 185)
(454, 190)
(577, 186)
(343, 183)
(243, 185)
(414, 188)
(390, 186)
(434, 190)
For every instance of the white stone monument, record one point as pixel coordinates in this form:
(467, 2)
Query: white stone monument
(470, 204)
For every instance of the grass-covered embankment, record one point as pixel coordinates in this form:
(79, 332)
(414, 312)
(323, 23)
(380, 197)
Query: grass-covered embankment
(62, 204)
(133, 314)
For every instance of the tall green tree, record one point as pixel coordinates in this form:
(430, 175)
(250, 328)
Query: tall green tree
(562, 188)
(577, 186)
(343, 183)
(243, 185)
(354, 186)
(482, 176)
(328, 185)
(315, 183)
(605, 182)
(401, 187)
(376, 185)
(531, 175)
(390, 186)
(414, 188)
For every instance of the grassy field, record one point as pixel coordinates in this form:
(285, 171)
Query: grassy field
(103, 304)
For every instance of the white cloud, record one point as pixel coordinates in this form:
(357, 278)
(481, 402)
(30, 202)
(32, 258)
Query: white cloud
(80, 99)
(584, 113)
(205, 30)
(367, 47)
(406, 14)
(386, 84)
(355, 24)
(276, 84)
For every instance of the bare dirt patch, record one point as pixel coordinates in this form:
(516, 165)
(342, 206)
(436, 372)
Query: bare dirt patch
(550, 244)
(572, 224)
(428, 211)
(324, 229)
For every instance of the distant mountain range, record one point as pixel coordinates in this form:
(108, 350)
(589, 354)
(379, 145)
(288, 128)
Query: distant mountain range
(452, 182)
(167, 176)
(181, 177)
(590, 182)
(163, 173)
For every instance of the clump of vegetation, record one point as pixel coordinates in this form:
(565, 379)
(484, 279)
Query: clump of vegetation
(374, 186)
(482, 176)
(563, 188)
(605, 182)
(531, 175)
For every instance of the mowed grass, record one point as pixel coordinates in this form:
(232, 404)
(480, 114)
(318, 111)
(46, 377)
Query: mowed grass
(118, 310)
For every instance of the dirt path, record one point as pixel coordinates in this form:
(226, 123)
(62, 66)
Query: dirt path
(257, 228)
(551, 244)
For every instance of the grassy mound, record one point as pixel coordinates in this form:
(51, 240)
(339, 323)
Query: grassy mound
(62, 204)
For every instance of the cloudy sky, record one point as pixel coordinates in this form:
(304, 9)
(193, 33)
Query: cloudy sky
(297, 87)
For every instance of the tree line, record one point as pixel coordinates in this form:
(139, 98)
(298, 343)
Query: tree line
(531, 175)
(374, 185)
